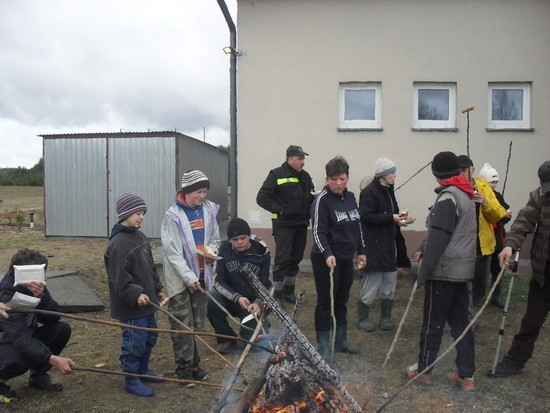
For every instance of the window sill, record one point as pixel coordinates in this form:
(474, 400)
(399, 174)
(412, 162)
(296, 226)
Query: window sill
(510, 129)
(434, 129)
(360, 129)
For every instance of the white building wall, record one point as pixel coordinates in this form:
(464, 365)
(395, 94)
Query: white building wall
(296, 52)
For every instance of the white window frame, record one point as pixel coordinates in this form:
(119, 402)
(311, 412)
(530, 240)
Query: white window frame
(360, 124)
(524, 123)
(449, 124)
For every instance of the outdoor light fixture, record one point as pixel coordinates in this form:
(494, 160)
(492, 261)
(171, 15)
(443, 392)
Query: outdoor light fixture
(233, 51)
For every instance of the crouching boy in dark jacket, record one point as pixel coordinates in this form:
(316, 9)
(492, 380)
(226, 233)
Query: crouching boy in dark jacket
(241, 250)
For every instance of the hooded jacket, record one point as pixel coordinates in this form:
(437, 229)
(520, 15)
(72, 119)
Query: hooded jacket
(488, 215)
(229, 282)
(181, 264)
(131, 272)
(336, 225)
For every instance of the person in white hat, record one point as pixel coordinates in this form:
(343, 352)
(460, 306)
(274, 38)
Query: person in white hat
(490, 174)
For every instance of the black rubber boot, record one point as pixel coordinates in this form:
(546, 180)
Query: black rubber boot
(386, 306)
(288, 293)
(363, 322)
(43, 381)
(341, 342)
(278, 296)
(323, 338)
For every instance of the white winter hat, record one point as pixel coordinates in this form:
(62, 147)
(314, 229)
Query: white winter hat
(488, 173)
(383, 167)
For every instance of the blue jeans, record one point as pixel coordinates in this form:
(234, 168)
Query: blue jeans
(137, 344)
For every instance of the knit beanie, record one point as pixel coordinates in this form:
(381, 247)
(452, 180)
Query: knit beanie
(383, 167)
(445, 165)
(128, 204)
(237, 227)
(193, 181)
(488, 173)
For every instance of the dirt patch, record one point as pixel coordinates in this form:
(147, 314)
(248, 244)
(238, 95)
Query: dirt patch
(93, 344)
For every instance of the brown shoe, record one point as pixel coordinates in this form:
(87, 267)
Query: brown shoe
(424, 379)
(467, 384)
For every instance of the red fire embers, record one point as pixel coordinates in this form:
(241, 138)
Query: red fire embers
(292, 384)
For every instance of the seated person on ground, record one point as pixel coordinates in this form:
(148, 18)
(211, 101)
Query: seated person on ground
(231, 290)
(31, 341)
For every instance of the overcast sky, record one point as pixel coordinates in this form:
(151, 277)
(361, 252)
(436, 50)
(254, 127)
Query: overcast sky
(72, 66)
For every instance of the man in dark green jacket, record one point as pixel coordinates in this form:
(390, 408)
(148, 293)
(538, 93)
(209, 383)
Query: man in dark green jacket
(533, 218)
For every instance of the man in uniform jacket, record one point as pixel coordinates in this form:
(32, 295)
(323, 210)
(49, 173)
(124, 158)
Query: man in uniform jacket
(287, 194)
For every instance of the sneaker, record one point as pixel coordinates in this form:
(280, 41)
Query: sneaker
(188, 377)
(200, 375)
(467, 384)
(424, 379)
(226, 347)
(507, 367)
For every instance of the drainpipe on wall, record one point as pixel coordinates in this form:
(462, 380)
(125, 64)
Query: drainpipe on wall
(232, 107)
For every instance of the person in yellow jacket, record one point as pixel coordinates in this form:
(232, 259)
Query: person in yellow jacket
(488, 212)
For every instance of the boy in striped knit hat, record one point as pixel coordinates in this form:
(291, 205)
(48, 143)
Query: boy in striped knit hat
(189, 233)
(133, 283)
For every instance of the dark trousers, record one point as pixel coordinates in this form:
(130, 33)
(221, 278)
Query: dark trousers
(137, 344)
(479, 285)
(446, 302)
(218, 318)
(12, 363)
(538, 306)
(290, 243)
(343, 280)
(495, 271)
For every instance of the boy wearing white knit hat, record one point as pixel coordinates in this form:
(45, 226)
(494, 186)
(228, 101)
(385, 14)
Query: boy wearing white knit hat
(189, 233)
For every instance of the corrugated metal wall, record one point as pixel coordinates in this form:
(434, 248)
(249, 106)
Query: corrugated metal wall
(74, 186)
(86, 173)
(144, 167)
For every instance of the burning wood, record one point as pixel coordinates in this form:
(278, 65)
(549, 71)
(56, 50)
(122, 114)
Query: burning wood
(296, 378)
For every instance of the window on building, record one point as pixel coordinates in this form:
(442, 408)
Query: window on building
(509, 106)
(360, 106)
(434, 105)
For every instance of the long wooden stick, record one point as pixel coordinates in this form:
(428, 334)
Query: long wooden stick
(392, 347)
(221, 307)
(507, 168)
(332, 315)
(452, 346)
(144, 376)
(225, 392)
(120, 325)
